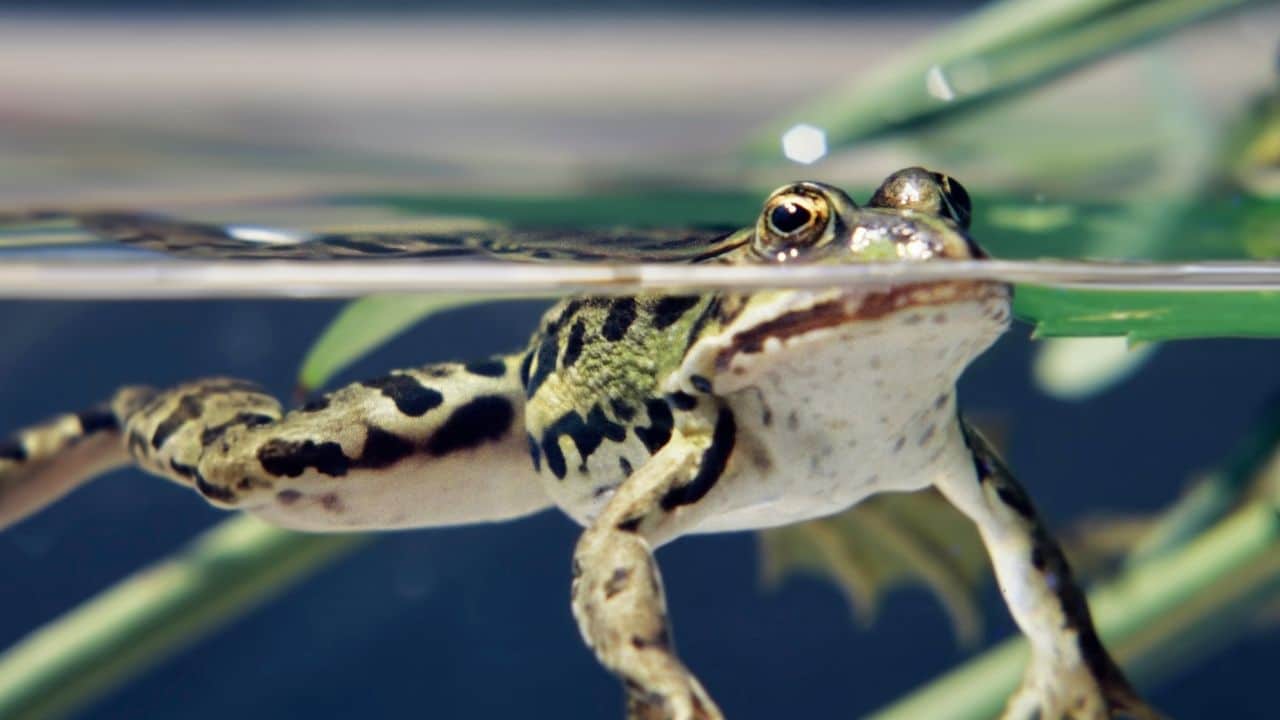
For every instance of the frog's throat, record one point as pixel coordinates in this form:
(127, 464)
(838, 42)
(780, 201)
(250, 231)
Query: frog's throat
(856, 307)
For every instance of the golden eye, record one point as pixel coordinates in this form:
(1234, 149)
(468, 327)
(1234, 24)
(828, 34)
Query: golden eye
(796, 218)
(791, 215)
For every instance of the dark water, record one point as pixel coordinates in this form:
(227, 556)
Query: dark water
(474, 622)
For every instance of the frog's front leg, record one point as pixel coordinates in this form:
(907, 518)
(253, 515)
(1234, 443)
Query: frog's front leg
(618, 599)
(1071, 675)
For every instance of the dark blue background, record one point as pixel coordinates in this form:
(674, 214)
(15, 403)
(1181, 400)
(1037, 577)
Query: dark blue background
(474, 622)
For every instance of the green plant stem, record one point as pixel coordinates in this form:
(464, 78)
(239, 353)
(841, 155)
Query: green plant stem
(1220, 492)
(1185, 598)
(1006, 47)
(120, 633)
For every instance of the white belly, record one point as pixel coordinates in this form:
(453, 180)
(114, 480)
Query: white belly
(831, 417)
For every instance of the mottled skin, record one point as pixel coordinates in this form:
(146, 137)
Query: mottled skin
(646, 418)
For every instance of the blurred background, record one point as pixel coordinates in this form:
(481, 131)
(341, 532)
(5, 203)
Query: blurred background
(195, 105)
(110, 104)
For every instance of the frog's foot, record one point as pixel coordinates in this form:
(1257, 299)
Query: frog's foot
(1054, 691)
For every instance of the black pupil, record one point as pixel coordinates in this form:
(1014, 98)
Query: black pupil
(789, 217)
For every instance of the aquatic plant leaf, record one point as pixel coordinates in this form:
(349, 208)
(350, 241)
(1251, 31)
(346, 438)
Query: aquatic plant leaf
(1225, 227)
(1076, 368)
(1001, 50)
(363, 326)
(1217, 227)
(1252, 148)
(1251, 471)
(884, 542)
(1149, 316)
(220, 575)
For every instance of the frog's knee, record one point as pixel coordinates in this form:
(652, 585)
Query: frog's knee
(229, 483)
(234, 473)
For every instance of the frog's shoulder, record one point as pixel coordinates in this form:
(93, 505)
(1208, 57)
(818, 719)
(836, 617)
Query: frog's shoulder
(595, 378)
(589, 351)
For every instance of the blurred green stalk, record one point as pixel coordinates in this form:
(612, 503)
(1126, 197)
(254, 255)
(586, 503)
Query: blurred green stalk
(1002, 49)
(122, 632)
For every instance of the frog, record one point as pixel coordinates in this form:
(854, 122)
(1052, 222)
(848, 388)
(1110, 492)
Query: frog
(646, 418)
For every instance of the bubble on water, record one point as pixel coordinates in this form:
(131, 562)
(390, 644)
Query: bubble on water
(936, 82)
(804, 143)
(266, 235)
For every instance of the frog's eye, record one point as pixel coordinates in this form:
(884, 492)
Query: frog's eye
(797, 218)
(790, 216)
(925, 191)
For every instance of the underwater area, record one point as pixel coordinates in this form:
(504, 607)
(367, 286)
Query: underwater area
(1112, 130)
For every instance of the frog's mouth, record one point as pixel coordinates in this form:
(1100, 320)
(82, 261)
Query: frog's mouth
(859, 307)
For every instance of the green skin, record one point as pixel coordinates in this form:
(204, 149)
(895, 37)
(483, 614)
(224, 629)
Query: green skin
(644, 418)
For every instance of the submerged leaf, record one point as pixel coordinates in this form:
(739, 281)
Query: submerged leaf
(886, 541)
(365, 324)
(1250, 472)
(220, 575)
(1076, 368)
(1148, 316)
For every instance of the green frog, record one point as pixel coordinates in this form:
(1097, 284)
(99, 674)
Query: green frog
(645, 418)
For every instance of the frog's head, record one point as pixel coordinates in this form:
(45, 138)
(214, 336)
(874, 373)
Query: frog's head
(915, 216)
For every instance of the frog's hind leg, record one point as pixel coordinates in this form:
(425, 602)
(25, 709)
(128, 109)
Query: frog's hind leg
(44, 462)
(1070, 675)
(437, 445)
